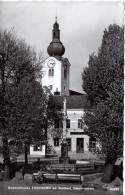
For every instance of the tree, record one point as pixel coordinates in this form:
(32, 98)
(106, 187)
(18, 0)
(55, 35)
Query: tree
(23, 101)
(103, 82)
(26, 112)
(54, 118)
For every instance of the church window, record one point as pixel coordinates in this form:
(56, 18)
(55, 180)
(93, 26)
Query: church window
(80, 123)
(51, 72)
(56, 141)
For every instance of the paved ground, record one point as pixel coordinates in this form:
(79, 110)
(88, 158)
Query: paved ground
(17, 186)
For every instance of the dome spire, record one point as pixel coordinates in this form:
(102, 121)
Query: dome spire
(56, 48)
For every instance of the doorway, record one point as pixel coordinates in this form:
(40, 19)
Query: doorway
(80, 145)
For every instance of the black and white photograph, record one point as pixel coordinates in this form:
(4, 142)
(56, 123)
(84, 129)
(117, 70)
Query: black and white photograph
(61, 97)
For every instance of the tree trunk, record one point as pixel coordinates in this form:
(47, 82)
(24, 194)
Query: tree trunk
(106, 177)
(6, 172)
(26, 153)
(109, 165)
(6, 152)
(6, 156)
(46, 136)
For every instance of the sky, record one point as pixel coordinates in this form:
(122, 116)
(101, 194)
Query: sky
(81, 27)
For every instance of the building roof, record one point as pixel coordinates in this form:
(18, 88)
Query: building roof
(56, 48)
(73, 101)
(71, 92)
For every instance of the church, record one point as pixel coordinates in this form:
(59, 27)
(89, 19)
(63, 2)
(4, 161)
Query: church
(56, 77)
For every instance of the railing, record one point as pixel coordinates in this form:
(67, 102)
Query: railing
(70, 167)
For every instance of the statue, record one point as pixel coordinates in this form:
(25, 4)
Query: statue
(64, 159)
(64, 120)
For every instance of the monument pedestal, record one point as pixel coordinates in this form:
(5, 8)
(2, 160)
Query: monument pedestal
(64, 159)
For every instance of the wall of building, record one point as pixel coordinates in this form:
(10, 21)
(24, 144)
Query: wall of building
(58, 82)
(41, 152)
(55, 80)
(73, 132)
(74, 115)
(65, 81)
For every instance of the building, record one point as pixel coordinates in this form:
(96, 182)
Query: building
(37, 150)
(56, 77)
(56, 68)
(78, 141)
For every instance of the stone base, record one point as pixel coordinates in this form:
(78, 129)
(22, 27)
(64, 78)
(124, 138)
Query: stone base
(64, 160)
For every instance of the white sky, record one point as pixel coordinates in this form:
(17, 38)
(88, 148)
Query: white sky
(81, 27)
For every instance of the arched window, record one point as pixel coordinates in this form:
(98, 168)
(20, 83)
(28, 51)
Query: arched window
(51, 72)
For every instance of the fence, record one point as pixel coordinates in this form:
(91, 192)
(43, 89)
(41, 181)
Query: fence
(70, 167)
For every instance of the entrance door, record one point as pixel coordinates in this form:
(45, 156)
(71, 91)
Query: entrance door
(80, 145)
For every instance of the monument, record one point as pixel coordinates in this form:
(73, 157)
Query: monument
(64, 159)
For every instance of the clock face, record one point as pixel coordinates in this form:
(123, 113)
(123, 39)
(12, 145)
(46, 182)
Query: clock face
(51, 63)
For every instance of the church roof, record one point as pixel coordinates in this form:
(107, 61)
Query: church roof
(71, 92)
(56, 48)
(73, 101)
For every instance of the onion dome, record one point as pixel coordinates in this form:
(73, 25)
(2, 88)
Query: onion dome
(56, 48)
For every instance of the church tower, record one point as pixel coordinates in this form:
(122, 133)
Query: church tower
(56, 68)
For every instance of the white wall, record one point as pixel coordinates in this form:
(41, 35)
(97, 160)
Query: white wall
(39, 153)
(73, 115)
(55, 80)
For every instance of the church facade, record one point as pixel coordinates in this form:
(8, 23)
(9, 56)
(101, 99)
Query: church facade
(57, 77)
(56, 70)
